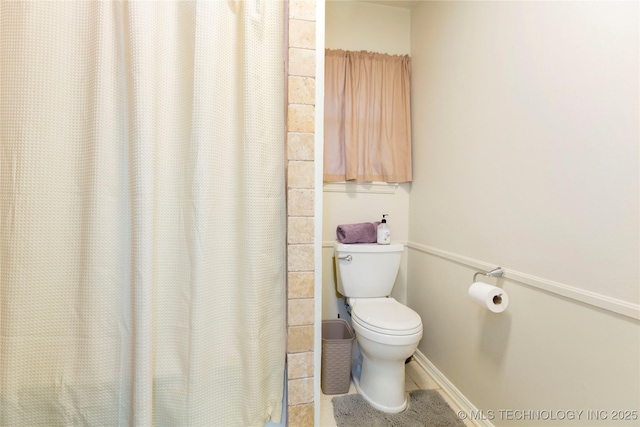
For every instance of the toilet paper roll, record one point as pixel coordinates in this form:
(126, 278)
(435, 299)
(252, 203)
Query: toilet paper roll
(491, 297)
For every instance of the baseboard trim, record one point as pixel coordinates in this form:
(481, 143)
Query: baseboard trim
(447, 386)
(598, 300)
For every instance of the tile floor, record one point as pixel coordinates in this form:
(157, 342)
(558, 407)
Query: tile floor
(415, 378)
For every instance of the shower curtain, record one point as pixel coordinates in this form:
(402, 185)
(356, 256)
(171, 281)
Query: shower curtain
(141, 213)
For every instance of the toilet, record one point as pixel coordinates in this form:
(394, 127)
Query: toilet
(387, 332)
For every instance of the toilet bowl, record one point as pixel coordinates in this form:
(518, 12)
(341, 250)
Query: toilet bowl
(387, 332)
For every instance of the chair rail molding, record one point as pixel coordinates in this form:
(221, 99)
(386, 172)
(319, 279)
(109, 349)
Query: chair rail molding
(615, 305)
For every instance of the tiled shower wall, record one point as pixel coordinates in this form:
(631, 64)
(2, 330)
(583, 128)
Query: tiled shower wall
(300, 211)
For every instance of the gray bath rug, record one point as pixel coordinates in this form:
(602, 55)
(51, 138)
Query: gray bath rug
(426, 409)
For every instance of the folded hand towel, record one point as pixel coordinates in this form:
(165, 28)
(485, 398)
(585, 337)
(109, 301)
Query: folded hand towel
(365, 232)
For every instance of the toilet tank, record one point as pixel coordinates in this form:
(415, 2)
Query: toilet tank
(367, 270)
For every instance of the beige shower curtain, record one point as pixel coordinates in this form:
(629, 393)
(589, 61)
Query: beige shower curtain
(141, 213)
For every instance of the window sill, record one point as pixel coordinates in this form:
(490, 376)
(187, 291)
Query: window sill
(360, 187)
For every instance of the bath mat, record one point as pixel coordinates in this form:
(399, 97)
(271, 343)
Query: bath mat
(426, 408)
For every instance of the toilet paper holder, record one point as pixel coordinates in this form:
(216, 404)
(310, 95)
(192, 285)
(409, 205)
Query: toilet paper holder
(496, 272)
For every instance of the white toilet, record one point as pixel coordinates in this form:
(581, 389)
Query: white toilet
(387, 332)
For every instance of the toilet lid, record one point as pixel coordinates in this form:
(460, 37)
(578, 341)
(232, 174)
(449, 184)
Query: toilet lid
(386, 315)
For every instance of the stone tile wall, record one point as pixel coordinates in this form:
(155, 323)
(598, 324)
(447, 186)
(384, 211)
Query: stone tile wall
(300, 211)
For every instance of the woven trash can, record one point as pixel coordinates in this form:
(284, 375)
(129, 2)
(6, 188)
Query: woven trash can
(337, 347)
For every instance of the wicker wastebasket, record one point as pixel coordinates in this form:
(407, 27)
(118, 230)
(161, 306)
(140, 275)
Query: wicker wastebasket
(337, 345)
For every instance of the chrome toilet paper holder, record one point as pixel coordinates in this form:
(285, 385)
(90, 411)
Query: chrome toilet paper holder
(496, 272)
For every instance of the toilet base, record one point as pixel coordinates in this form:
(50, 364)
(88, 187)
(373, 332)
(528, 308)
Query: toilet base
(381, 385)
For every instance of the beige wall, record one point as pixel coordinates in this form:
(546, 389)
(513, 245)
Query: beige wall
(352, 25)
(356, 25)
(526, 156)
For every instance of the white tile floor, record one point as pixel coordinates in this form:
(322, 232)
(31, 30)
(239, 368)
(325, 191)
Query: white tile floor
(415, 379)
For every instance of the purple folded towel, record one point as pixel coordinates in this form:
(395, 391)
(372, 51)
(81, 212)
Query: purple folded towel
(365, 232)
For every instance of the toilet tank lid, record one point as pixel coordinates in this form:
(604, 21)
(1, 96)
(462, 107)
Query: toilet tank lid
(368, 247)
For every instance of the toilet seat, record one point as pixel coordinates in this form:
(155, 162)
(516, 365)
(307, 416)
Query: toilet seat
(385, 316)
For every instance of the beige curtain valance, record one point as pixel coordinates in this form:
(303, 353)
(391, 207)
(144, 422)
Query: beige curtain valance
(367, 123)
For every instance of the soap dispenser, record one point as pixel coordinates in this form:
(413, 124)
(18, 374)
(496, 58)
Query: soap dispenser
(384, 233)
